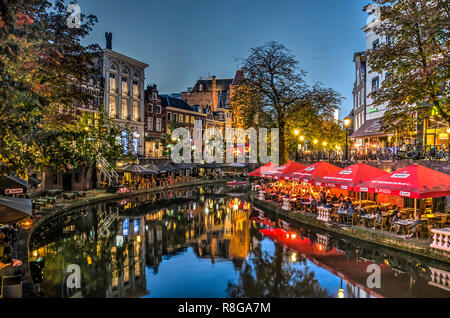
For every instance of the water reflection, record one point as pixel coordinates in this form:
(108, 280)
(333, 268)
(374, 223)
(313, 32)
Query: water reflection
(210, 242)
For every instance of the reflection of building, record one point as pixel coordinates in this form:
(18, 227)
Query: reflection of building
(213, 227)
(110, 255)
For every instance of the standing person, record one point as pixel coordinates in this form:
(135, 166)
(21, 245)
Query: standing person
(341, 198)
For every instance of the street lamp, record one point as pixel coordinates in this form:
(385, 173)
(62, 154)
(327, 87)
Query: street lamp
(296, 132)
(347, 122)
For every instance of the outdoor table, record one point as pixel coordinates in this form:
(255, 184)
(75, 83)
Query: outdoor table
(368, 218)
(404, 224)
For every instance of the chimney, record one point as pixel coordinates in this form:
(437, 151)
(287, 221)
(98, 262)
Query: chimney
(213, 94)
(108, 36)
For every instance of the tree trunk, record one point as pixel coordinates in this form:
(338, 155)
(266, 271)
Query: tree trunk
(282, 140)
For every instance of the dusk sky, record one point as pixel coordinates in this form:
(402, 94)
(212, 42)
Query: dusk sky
(183, 40)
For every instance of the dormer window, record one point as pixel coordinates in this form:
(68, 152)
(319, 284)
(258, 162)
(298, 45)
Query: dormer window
(200, 88)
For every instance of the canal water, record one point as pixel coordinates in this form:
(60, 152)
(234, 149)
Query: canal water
(209, 241)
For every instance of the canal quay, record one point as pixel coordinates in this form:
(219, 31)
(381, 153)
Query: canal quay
(212, 241)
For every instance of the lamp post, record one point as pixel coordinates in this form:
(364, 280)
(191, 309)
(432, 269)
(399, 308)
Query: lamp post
(347, 122)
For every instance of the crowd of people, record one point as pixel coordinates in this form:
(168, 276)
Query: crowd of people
(316, 197)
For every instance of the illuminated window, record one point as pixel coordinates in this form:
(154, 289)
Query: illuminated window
(135, 89)
(124, 108)
(135, 111)
(112, 106)
(124, 86)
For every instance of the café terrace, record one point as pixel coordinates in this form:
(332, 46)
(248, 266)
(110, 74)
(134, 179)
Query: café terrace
(410, 201)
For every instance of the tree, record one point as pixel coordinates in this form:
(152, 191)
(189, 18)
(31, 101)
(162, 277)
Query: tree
(314, 118)
(416, 56)
(273, 93)
(42, 63)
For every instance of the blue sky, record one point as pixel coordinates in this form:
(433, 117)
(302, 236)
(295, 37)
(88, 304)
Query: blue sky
(182, 40)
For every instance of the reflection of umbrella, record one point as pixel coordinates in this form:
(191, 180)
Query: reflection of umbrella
(14, 209)
(7, 182)
(138, 169)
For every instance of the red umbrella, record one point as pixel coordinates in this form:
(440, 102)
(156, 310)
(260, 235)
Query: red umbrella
(350, 177)
(415, 181)
(314, 172)
(291, 168)
(283, 171)
(258, 172)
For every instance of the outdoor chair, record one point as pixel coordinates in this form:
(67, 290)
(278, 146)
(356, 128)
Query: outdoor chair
(418, 230)
(393, 227)
(11, 287)
(442, 222)
(382, 225)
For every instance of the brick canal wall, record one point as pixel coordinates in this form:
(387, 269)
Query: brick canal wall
(418, 247)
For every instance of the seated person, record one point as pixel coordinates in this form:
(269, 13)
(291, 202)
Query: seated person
(348, 203)
(378, 216)
(341, 198)
(413, 227)
(9, 269)
(397, 217)
(351, 209)
(342, 208)
(334, 199)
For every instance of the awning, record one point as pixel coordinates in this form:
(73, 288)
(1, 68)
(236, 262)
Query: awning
(7, 182)
(138, 169)
(13, 210)
(370, 128)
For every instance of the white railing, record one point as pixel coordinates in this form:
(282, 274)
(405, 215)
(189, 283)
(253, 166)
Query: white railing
(440, 278)
(286, 206)
(324, 214)
(107, 170)
(441, 239)
(261, 196)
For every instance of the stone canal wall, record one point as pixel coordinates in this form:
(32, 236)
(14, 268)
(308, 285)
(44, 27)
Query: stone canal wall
(412, 245)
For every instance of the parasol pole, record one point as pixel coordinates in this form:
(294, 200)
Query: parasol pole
(415, 208)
